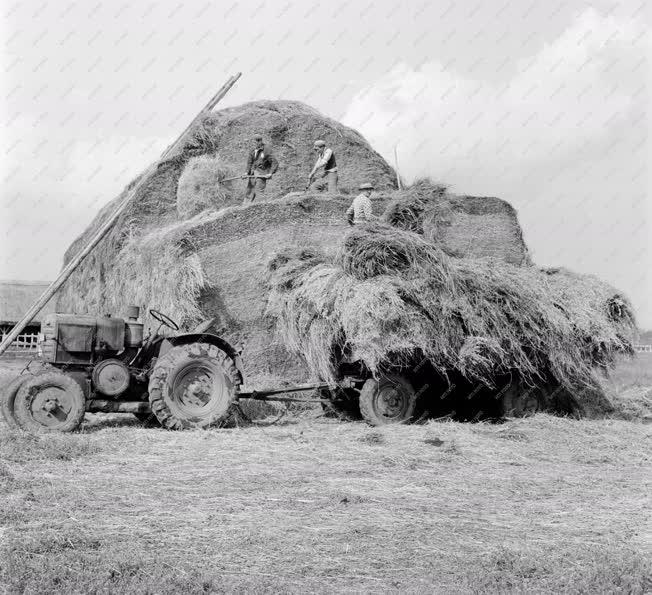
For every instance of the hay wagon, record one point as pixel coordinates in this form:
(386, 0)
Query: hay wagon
(178, 380)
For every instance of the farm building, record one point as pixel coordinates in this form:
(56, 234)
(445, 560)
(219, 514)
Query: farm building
(15, 298)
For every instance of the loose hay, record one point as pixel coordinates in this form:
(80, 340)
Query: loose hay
(461, 225)
(150, 271)
(371, 251)
(200, 187)
(408, 207)
(311, 507)
(389, 298)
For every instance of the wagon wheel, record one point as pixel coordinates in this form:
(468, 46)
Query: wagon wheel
(523, 401)
(389, 400)
(50, 402)
(193, 386)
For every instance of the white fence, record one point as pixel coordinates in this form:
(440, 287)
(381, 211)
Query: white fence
(23, 344)
(643, 348)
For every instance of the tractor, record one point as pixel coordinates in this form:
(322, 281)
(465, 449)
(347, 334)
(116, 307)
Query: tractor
(103, 364)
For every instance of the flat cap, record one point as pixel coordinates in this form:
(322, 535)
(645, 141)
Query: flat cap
(320, 143)
(365, 186)
(258, 136)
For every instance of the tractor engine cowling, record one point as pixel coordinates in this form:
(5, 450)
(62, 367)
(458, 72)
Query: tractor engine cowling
(82, 339)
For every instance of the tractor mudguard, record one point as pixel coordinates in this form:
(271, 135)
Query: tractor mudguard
(224, 345)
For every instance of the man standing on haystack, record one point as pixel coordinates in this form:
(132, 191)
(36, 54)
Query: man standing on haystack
(325, 160)
(361, 210)
(261, 166)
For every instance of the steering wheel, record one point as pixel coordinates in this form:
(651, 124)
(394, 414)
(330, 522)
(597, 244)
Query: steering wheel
(164, 320)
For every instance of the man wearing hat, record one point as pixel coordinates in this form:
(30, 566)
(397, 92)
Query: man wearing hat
(325, 160)
(361, 210)
(261, 165)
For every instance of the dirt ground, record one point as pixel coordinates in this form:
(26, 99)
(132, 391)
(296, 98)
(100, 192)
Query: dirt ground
(541, 504)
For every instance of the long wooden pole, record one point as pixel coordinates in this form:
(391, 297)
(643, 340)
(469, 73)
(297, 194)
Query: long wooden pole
(106, 226)
(398, 175)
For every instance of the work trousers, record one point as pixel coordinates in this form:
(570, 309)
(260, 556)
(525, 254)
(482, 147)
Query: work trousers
(255, 187)
(328, 182)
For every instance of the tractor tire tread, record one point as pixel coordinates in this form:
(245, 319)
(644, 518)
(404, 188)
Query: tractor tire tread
(70, 385)
(168, 362)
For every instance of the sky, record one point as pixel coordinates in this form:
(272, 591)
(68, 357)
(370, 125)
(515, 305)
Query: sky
(542, 103)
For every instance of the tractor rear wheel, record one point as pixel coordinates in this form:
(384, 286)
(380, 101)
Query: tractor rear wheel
(193, 386)
(389, 400)
(8, 399)
(49, 402)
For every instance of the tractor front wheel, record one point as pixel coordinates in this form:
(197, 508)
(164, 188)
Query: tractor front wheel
(8, 399)
(390, 399)
(193, 386)
(50, 402)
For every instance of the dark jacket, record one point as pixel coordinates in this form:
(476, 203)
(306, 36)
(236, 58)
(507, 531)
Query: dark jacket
(262, 160)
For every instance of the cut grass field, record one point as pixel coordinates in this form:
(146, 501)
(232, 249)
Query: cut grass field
(542, 504)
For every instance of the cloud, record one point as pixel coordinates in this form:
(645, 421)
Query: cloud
(53, 195)
(574, 90)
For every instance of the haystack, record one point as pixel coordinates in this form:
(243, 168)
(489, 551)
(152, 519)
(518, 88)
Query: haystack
(187, 247)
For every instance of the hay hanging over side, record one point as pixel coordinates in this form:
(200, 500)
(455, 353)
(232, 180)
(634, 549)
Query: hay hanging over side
(154, 272)
(481, 318)
(407, 210)
(376, 249)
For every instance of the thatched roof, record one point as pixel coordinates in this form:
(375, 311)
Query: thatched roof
(17, 296)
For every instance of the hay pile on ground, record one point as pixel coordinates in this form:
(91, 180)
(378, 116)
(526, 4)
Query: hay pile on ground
(390, 298)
